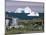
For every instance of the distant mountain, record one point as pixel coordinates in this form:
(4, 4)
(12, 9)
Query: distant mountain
(24, 15)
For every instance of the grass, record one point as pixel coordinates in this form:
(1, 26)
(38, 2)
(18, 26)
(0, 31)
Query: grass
(29, 26)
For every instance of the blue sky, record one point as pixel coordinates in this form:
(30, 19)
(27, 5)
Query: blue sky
(35, 6)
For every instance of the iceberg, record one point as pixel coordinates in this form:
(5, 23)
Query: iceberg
(19, 10)
(9, 11)
(33, 14)
(27, 10)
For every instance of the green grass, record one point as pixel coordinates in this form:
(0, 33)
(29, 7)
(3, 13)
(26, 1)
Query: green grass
(29, 26)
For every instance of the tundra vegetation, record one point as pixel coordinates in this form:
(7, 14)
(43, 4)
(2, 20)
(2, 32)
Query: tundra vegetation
(27, 26)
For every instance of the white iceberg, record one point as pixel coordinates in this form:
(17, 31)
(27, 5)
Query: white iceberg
(27, 10)
(33, 14)
(9, 11)
(19, 10)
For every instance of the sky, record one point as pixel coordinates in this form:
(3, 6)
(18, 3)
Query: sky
(34, 6)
